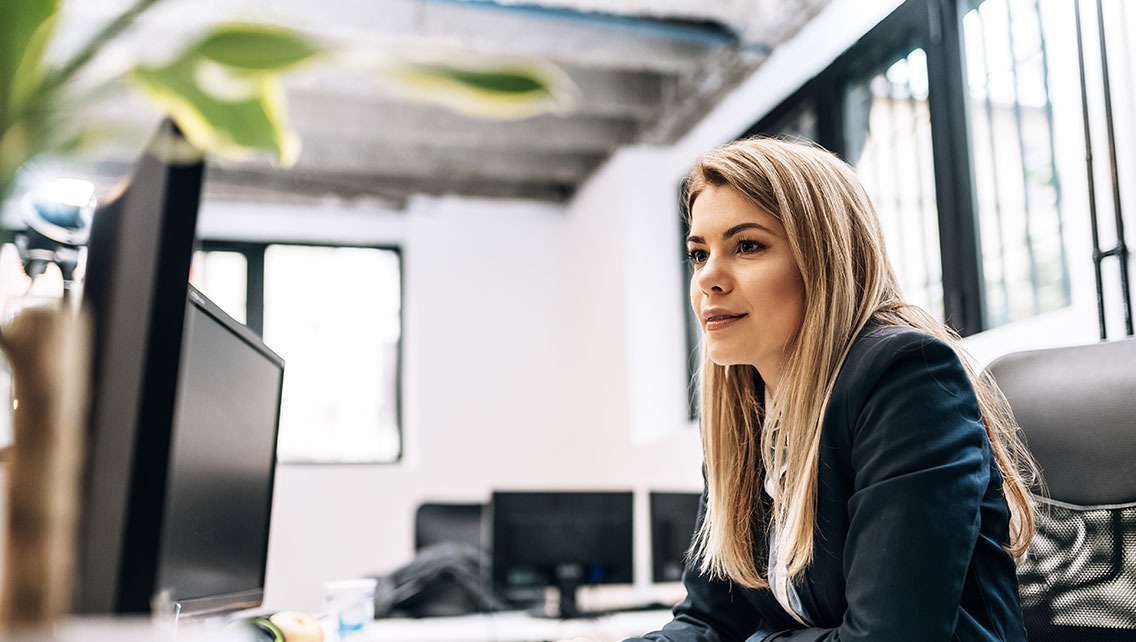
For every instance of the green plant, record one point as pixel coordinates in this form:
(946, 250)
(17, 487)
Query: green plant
(224, 89)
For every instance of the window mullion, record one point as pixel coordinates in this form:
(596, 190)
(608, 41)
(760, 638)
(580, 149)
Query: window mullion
(958, 231)
(255, 287)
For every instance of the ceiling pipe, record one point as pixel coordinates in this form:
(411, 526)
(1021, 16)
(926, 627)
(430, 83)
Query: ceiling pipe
(696, 31)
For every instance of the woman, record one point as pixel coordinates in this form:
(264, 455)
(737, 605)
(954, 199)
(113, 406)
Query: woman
(862, 482)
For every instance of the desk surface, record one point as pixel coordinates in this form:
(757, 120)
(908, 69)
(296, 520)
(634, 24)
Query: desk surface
(515, 627)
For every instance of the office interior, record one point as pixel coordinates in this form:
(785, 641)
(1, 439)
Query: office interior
(543, 345)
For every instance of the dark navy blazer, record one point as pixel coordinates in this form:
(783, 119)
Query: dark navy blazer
(911, 519)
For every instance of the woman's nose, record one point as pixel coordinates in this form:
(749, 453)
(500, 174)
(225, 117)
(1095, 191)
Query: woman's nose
(713, 277)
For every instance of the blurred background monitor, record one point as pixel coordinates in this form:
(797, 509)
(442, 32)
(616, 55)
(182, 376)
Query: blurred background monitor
(560, 539)
(673, 518)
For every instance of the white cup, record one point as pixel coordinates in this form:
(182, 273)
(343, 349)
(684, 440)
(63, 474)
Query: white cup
(350, 606)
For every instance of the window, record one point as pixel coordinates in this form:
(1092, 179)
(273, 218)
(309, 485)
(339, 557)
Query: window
(334, 314)
(223, 277)
(888, 140)
(1010, 55)
(946, 111)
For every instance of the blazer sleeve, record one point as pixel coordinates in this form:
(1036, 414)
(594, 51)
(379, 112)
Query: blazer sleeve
(713, 611)
(921, 464)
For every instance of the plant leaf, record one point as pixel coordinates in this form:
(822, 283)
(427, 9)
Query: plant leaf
(224, 90)
(25, 29)
(481, 85)
(257, 47)
(226, 125)
(502, 81)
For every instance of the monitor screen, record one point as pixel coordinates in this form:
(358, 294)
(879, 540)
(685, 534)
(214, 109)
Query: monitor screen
(214, 541)
(561, 539)
(673, 519)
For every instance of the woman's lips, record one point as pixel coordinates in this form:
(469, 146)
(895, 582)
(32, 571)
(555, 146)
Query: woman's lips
(722, 321)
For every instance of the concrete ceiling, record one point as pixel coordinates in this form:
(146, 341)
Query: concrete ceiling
(646, 72)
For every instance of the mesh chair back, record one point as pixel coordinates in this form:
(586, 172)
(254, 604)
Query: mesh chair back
(1077, 409)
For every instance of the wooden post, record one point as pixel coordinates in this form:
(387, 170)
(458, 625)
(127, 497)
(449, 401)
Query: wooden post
(48, 349)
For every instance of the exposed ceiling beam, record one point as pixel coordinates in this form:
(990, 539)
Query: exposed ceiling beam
(690, 97)
(319, 116)
(303, 185)
(616, 93)
(400, 162)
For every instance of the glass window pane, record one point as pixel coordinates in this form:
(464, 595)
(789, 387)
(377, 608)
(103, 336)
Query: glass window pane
(888, 129)
(334, 314)
(1009, 47)
(223, 277)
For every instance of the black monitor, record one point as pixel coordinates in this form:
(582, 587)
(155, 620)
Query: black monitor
(673, 520)
(135, 286)
(137, 294)
(214, 537)
(561, 539)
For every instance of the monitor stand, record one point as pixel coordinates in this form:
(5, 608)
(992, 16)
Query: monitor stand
(569, 577)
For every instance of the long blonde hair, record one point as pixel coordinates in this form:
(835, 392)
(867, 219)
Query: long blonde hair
(837, 242)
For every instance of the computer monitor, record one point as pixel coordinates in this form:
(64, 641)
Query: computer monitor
(160, 350)
(561, 539)
(214, 538)
(134, 288)
(673, 519)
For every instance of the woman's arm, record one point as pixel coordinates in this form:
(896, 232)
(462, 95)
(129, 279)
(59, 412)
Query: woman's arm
(921, 463)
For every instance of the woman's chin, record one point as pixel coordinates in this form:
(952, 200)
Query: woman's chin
(724, 358)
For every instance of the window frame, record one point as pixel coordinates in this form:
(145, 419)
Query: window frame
(254, 253)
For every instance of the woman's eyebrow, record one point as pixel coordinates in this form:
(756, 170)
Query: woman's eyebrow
(745, 226)
(733, 231)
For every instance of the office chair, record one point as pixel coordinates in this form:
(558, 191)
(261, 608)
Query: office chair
(435, 523)
(1077, 409)
(449, 572)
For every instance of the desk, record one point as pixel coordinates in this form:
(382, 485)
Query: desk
(515, 626)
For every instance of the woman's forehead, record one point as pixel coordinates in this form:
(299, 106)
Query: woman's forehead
(722, 205)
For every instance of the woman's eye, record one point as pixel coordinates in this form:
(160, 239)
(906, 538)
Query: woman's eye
(696, 256)
(749, 247)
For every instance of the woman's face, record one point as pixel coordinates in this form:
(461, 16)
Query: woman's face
(747, 290)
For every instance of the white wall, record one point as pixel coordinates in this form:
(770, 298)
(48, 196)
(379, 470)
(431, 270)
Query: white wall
(543, 345)
(515, 376)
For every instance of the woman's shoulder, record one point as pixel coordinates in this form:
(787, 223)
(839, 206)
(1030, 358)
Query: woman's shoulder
(898, 365)
(879, 348)
(888, 341)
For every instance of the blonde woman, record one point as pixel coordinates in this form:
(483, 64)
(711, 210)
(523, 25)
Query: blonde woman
(863, 483)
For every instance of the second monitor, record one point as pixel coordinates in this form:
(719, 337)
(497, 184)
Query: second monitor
(561, 539)
(674, 516)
